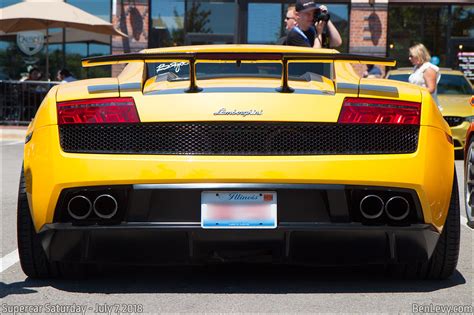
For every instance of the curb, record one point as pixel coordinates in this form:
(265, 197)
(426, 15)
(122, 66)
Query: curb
(12, 133)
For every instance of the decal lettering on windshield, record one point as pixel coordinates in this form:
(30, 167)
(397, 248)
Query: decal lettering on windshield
(176, 65)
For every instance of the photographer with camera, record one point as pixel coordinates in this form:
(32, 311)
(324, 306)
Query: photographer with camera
(290, 22)
(314, 27)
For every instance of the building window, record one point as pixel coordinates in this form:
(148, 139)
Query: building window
(463, 21)
(265, 22)
(191, 22)
(408, 25)
(445, 30)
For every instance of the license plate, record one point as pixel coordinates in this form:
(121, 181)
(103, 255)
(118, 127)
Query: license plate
(238, 210)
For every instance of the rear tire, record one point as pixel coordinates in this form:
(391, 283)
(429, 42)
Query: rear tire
(33, 260)
(469, 184)
(444, 259)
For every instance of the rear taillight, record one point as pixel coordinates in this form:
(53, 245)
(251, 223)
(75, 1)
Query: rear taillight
(379, 111)
(472, 100)
(98, 111)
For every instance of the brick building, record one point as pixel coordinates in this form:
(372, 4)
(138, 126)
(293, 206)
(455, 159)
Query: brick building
(374, 27)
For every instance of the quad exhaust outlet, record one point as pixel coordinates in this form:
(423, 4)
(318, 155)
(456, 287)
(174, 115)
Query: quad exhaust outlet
(79, 207)
(371, 207)
(105, 206)
(397, 208)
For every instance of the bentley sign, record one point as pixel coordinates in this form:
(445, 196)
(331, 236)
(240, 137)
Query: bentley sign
(31, 42)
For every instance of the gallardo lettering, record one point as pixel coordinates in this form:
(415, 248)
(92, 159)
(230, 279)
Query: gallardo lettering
(251, 112)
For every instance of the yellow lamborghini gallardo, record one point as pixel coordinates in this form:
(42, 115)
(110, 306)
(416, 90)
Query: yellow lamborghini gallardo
(238, 153)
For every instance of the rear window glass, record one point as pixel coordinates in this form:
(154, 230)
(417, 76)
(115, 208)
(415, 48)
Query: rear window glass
(177, 71)
(454, 84)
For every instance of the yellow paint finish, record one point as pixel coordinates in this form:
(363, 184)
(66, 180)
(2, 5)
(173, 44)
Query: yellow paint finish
(456, 105)
(46, 113)
(79, 89)
(406, 91)
(39, 163)
(459, 134)
(133, 72)
(344, 72)
(275, 106)
(430, 115)
(428, 171)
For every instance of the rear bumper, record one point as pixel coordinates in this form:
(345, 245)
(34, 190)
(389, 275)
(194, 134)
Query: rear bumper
(428, 172)
(187, 243)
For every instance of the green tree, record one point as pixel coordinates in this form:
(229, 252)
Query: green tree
(196, 21)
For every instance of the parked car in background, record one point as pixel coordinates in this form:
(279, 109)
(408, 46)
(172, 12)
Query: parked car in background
(469, 173)
(454, 94)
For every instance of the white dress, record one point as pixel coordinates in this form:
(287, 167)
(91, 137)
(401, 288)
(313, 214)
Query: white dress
(417, 78)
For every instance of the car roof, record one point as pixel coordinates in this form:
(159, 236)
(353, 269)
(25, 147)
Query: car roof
(409, 70)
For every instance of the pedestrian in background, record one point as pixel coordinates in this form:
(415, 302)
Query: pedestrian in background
(310, 31)
(290, 22)
(34, 74)
(65, 76)
(372, 72)
(425, 73)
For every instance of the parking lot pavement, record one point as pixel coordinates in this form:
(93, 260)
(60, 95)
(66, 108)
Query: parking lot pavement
(230, 288)
(12, 133)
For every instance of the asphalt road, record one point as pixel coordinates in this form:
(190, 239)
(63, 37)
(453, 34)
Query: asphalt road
(221, 289)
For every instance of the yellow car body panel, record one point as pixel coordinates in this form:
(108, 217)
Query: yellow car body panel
(93, 88)
(384, 88)
(67, 170)
(458, 106)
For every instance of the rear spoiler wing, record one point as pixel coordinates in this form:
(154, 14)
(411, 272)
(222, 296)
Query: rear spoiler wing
(192, 57)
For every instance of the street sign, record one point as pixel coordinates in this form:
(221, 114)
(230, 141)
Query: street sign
(466, 64)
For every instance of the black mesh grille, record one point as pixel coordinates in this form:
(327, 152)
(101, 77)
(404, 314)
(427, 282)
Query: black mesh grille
(236, 138)
(453, 120)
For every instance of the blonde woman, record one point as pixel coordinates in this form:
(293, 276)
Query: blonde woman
(424, 73)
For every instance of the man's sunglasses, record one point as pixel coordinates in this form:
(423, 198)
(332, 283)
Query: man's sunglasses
(289, 18)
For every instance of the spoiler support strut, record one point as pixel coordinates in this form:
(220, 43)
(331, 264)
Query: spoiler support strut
(193, 88)
(285, 88)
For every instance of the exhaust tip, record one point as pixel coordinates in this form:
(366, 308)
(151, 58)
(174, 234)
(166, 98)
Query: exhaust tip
(79, 207)
(105, 206)
(371, 207)
(397, 208)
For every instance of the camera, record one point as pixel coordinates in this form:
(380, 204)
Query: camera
(320, 15)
